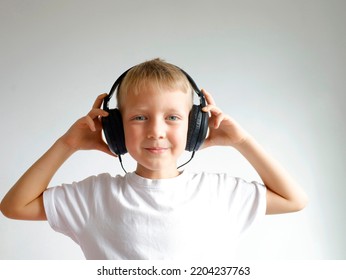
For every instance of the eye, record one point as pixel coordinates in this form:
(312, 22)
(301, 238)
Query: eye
(139, 118)
(173, 118)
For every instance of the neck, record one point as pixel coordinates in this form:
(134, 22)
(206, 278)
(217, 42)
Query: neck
(157, 174)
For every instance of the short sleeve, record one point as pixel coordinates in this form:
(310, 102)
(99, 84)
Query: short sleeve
(243, 202)
(68, 207)
(250, 203)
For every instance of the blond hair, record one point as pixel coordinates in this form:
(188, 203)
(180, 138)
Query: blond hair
(156, 73)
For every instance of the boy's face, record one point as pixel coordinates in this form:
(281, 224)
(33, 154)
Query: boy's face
(155, 126)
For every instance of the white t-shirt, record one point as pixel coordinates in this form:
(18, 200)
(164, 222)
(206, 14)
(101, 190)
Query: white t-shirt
(192, 216)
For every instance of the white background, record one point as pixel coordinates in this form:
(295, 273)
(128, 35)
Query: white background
(276, 66)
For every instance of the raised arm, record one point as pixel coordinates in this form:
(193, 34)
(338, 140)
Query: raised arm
(283, 192)
(25, 199)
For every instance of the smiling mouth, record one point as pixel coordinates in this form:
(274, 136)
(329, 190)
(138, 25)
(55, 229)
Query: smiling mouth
(156, 150)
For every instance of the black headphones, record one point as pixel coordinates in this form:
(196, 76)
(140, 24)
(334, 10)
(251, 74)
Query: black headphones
(114, 130)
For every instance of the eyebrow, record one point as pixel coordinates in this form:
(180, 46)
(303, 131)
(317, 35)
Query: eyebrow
(146, 109)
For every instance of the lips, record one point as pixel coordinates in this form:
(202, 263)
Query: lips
(156, 150)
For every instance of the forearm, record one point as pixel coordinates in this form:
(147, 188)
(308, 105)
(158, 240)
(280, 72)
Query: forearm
(36, 179)
(290, 197)
(283, 193)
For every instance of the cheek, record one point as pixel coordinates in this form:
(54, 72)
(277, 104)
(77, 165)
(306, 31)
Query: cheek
(131, 137)
(179, 136)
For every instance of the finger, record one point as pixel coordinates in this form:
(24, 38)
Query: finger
(213, 109)
(90, 122)
(99, 100)
(208, 97)
(216, 113)
(96, 112)
(219, 119)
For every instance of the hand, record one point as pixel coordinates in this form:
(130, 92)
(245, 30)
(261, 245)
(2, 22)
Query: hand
(86, 133)
(223, 130)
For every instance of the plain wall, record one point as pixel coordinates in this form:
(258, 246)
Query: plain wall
(277, 66)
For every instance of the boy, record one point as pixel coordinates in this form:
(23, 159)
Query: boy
(156, 212)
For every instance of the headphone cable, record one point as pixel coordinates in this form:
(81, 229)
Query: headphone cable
(122, 166)
(193, 153)
(121, 163)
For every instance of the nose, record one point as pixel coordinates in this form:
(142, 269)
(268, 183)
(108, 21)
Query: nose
(156, 129)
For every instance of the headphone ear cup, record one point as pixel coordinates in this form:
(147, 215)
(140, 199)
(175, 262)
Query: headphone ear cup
(114, 132)
(198, 128)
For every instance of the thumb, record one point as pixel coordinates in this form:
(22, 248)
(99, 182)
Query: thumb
(206, 144)
(103, 147)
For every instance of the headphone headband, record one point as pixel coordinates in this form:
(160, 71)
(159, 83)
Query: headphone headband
(111, 92)
(106, 100)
